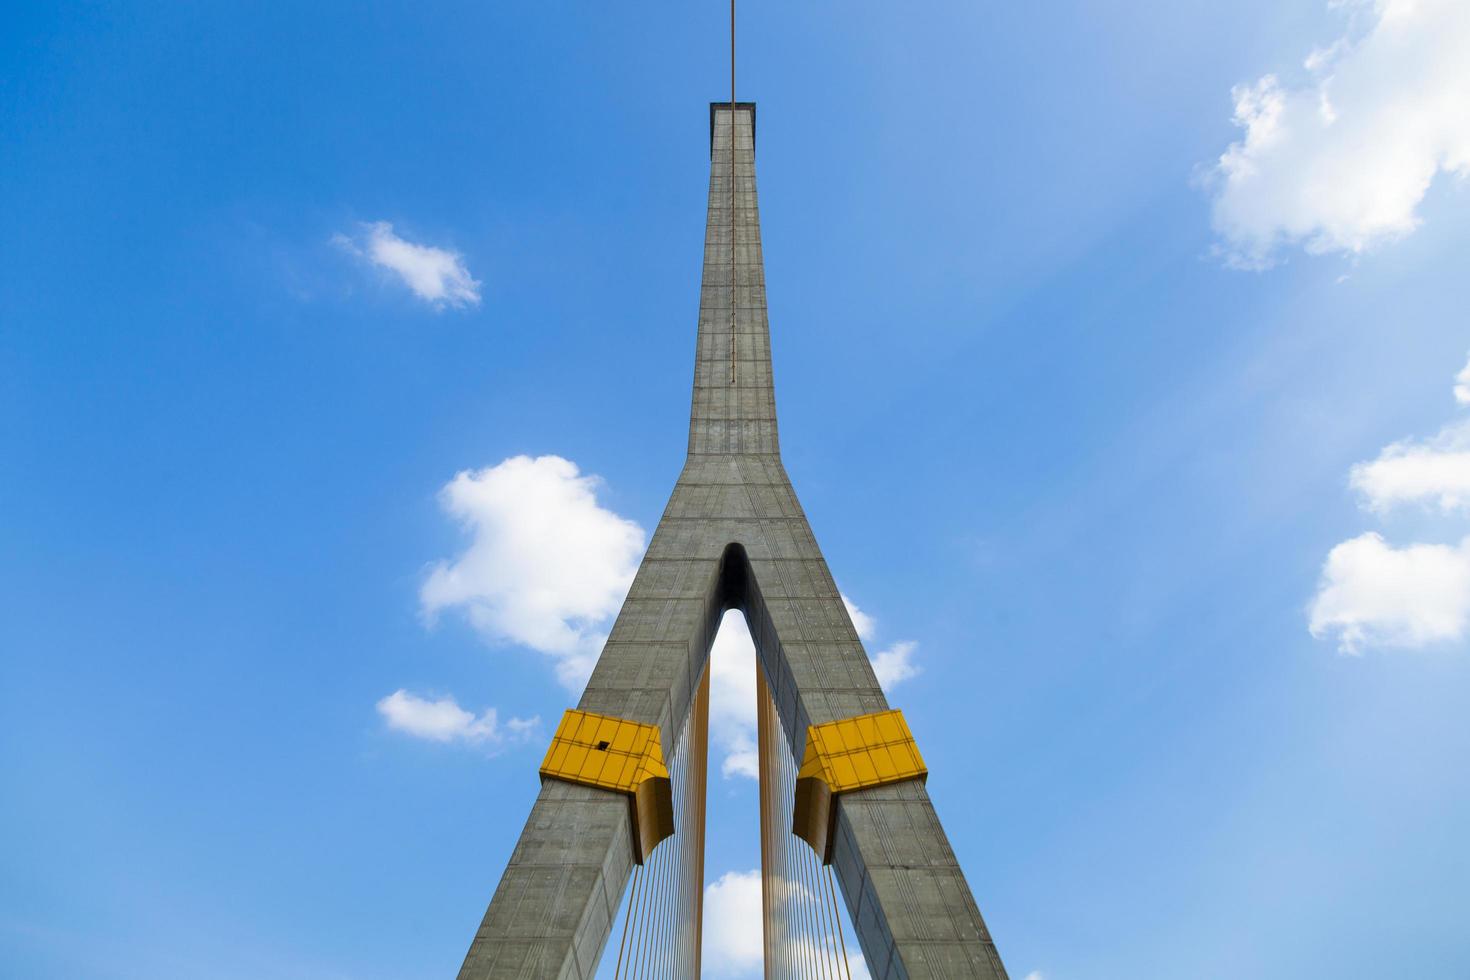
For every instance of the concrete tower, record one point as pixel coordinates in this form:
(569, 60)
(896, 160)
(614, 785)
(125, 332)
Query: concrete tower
(732, 536)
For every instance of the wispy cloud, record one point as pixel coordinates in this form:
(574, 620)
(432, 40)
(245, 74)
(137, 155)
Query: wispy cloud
(443, 720)
(1341, 161)
(896, 664)
(893, 665)
(438, 276)
(1373, 594)
(547, 566)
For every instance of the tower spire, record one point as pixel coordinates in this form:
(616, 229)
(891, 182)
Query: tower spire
(734, 334)
(734, 403)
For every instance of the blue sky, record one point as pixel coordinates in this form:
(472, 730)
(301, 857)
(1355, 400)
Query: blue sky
(1116, 356)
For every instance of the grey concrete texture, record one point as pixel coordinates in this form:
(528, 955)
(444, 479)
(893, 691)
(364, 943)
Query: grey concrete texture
(733, 536)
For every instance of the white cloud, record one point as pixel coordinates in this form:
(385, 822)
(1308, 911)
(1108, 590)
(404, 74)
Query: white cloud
(1341, 161)
(1374, 594)
(732, 697)
(1433, 473)
(732, 924)
(1035, 975)
(896, 664)
(443, 720)
(436, 275)
(547, 567)
(733, 945)
(865, 625)
(1462, 385)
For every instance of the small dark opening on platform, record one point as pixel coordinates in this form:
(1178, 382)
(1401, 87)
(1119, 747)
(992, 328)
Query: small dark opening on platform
(602, 746)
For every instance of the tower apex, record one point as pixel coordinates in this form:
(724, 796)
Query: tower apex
(715, 107)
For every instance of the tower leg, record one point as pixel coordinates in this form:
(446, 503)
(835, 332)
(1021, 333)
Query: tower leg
(551, 914)
(559, 894)
(911, 907)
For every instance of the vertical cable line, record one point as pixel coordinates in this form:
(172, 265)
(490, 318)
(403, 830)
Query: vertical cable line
(672, 948)
(824, 914)
(763, 748)
(832, 891)
(657, 944)
(803, 931)
(638, 914)
(811, 940)
(701, 774)
(813, 937)
(627, 918)
(663, 926)
(680, 965)
(675, 958)
(665, 946)
(829, 916)
(645, 917)
(801, 926)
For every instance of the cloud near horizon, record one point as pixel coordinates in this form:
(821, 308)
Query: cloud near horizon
(1341, 161)
(733, 943)
(438, 276)
(443, 720)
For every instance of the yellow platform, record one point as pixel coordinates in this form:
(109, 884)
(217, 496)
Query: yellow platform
(622, 756)
(845, 755)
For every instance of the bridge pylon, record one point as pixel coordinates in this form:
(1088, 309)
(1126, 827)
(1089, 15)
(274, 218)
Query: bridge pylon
(842, 788)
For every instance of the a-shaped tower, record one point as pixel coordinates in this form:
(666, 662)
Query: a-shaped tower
(842, 785)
